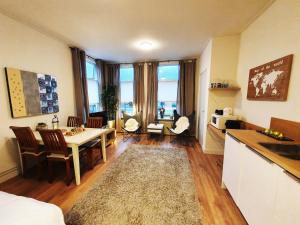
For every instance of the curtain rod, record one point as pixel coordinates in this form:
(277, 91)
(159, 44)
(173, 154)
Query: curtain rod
(162, 61)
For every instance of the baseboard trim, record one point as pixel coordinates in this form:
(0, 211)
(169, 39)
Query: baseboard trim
(8, 174)
(213, 152)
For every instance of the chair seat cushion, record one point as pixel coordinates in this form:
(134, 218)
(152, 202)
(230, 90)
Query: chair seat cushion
(131, 125)
(182, 124)
(62, 156)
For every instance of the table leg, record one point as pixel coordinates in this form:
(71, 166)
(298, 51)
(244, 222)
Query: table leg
(103, 145)
(75, 152)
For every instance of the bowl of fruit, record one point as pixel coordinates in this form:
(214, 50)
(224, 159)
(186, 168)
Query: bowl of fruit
(275, 134)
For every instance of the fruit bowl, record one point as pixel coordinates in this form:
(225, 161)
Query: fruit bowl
(274, 134)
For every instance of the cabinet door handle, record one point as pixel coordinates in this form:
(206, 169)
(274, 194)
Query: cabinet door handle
(292, 176)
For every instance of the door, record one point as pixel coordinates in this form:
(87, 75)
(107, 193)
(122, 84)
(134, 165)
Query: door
(203, 106)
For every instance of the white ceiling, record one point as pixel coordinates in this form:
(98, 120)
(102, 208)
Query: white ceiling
(109, 29)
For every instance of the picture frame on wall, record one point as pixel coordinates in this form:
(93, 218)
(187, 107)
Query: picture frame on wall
(30, 93)
(270, 81)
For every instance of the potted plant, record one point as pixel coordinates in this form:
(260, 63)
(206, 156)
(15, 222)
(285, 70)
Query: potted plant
(109, 98)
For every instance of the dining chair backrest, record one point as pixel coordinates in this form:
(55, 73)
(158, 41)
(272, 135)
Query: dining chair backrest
(74, 121)
(26, 139)
(94, 122)
(54, 141)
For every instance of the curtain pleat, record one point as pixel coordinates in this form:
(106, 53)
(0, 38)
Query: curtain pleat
(186, 89)
(138, 91)
(80, 82)
(138, 86)
(152, 86)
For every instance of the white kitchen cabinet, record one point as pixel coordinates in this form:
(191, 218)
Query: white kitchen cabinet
(287, 201)
(232, 165)
(257, 188)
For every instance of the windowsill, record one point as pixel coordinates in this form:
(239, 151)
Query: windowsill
(165, 119)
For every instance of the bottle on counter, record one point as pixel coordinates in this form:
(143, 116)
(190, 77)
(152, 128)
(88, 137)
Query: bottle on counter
(55, 122)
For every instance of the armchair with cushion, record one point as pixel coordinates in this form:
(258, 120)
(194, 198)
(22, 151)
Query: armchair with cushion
(132, 125)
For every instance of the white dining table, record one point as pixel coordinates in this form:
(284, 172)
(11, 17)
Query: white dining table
(79, 139)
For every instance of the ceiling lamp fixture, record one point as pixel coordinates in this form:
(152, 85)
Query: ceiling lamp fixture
(146, 45)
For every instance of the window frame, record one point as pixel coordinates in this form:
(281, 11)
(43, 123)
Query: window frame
(162, 64)
(95, 78)
(127, 66)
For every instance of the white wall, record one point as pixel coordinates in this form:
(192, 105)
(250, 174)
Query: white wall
(275, 34)
(24, 48)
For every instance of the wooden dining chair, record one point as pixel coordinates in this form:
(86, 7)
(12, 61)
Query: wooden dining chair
(94, 122)
(29, 147)
(57, 150)
(74, 121)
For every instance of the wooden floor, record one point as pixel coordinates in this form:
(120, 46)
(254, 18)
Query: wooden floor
(217, 205)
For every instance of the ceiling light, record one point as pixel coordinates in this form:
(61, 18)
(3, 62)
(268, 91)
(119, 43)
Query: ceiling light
(146, 45)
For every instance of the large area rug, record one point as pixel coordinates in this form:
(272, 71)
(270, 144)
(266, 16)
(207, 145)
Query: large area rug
(146, 185)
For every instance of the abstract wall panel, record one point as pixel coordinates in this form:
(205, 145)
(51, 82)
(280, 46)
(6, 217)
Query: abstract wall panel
(31, 94)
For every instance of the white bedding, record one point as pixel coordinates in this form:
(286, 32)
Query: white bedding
(17, 210)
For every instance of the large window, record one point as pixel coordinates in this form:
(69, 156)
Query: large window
(167, 89)
(93, 83)
(126, 78)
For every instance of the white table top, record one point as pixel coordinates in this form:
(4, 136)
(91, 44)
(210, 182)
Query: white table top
(80, 138)
(158, 126)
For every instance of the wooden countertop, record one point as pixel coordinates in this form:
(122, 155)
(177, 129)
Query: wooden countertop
(251, 138)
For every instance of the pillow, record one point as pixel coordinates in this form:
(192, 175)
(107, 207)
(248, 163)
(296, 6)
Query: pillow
(182, 124)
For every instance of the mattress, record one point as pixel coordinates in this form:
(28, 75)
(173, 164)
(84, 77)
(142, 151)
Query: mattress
(17, 210)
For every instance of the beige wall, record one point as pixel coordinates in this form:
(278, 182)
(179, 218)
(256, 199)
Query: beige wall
(221, 65)
(24, 48)
(274, 34)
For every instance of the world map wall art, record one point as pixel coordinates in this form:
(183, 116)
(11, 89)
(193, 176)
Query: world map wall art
(30, 93)
(270, 82)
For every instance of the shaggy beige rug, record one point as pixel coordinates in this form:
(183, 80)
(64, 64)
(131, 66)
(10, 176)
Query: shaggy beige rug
(146, 185)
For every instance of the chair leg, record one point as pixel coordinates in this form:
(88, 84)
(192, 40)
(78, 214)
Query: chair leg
(24, 166)
(50, 171)
(68, 172)
(39, 167)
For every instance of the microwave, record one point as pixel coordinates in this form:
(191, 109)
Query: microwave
(218, 121)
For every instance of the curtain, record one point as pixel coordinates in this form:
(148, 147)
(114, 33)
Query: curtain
(80, 82)
(112, 77)
(152, 86)
(138, 91)
(186, 89)
(138, 86)
(100, 73)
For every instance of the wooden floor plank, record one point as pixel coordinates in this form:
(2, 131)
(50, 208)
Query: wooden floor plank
(216, 203)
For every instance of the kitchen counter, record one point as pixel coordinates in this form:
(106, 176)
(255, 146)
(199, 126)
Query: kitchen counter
(252, 139)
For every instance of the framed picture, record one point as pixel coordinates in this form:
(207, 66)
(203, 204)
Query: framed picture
(30, 93)
(270, 81)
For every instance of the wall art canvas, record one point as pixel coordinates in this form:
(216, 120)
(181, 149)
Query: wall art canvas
(270, 82)
(30, 93)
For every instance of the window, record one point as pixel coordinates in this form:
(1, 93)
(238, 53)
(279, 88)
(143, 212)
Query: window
(167, 89)
(93, 84)
(126, 82)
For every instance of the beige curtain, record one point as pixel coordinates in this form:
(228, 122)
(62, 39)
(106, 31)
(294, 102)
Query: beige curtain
(80, 82)
(138, 86)
(138, 91)
(152, 85)
(112, 77)
(186, 89)
(100, 73)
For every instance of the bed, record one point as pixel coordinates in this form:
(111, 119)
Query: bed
(17, 210)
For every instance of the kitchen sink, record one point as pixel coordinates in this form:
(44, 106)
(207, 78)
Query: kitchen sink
(291, 151)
